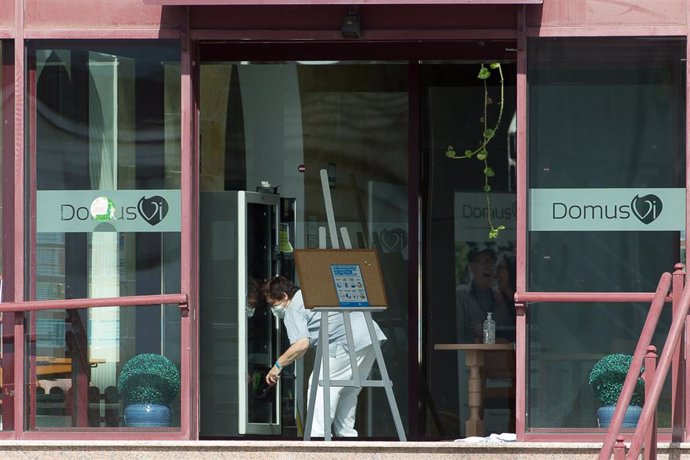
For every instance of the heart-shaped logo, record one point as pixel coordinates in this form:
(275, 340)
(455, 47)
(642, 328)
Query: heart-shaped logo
(646, 208)
(153, 209)
(394, 240)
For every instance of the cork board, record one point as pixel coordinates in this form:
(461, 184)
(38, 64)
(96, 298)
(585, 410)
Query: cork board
(340, 277)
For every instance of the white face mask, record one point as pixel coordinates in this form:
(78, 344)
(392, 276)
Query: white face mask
(278, 311)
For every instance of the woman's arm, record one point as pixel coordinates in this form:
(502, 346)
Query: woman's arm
(292, 354)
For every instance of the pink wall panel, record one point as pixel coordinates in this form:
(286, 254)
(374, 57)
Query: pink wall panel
(7, 15)
(99, 14)
(593, 13)
(373, 17)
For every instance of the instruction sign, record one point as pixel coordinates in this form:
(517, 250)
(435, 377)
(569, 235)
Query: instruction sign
(349, 285)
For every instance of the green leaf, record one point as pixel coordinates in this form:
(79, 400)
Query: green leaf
(489, 172)
(489, 133)
(495, 65)
(482, 154)
(469, 153)
(493, 233)
(487, 188)
(484, 73)
(450, 152)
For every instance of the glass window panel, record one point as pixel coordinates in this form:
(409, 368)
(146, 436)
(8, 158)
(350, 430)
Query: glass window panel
(565, 341)
(262, 122)
(467, 274)
(74, 382)
(605, 114)
(107, 178)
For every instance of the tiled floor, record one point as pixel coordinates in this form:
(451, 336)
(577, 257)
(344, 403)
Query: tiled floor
(274, 450)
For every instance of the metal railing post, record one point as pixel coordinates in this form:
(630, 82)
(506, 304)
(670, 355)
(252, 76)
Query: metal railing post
(679, 377)
(649, 375)
(672, 340)
(636, 366)
(619, 448)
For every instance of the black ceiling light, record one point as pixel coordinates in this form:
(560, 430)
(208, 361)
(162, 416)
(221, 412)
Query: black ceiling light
(352, 25)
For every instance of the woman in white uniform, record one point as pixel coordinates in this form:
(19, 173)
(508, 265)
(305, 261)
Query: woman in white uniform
(302, 327)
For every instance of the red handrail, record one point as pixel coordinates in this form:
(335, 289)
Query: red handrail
(636, 366)
(71, 304)
(672, 341)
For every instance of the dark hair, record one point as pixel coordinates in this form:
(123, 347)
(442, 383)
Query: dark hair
(253, 292)
(480, 249)
(277, 286)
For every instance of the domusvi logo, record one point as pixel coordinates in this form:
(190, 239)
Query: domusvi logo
(153, 209)
(647, 208)
(606, 209)
(119, 211)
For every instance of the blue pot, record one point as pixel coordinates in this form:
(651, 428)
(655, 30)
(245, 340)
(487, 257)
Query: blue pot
(632, 415)
(147, 415)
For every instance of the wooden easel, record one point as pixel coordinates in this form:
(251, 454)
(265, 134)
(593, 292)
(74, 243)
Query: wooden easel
(322, 356)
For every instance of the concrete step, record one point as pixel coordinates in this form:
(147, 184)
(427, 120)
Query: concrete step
(274, 450)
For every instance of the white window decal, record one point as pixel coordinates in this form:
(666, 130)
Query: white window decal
(621, 209)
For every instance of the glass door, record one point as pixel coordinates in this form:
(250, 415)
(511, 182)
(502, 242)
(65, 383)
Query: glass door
(258, 348)
(239, 334)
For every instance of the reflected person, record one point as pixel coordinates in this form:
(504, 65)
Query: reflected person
(478, 297)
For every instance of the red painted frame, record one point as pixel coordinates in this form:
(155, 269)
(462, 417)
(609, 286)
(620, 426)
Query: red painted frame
(343, 2)
(680, 371)
(15, 207)
(16, 275)
(7, 93)
(556, 18)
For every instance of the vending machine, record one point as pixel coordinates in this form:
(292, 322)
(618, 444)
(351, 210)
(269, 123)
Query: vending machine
(240, 339)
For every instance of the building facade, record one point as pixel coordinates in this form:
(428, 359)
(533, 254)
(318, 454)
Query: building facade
(161, 158)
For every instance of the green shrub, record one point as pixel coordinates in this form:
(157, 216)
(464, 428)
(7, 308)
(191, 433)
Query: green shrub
(149, 378)
(607, 378)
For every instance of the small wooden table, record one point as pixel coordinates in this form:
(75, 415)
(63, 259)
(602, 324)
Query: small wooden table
(474, 360)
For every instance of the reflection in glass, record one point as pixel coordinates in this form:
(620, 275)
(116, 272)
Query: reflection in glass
(604, 114)
(108, 120)
(261, 335)
(67, 390)
(466, 273)
(565, 341)
(260, 122)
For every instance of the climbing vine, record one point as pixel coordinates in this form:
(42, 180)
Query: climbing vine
(481, 153)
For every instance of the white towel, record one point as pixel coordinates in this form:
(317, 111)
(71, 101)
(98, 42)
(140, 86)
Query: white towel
(493, 437)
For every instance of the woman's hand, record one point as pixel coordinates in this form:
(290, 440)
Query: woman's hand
(273, 376)
(295, 351)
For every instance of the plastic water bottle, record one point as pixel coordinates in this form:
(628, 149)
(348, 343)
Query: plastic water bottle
(489, 329)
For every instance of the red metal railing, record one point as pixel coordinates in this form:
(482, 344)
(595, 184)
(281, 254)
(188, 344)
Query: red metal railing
(645, 432)
(180, 299)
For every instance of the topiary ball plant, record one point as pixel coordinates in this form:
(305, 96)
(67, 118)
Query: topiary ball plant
(607, 378)
(149, 379)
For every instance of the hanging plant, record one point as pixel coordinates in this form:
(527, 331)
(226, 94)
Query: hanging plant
(481, 153)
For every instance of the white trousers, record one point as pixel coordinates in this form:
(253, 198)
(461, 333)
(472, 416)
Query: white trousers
(343, 399)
